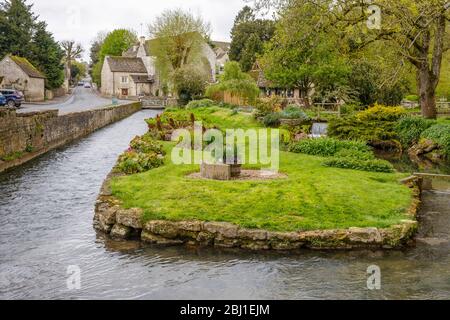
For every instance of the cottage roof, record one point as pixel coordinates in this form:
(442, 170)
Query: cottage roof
(126, 64)
(141, 79)
(258, 74)
(27, 67)
(225, 46)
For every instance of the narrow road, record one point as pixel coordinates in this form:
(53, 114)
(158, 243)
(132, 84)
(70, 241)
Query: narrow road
(81, 100)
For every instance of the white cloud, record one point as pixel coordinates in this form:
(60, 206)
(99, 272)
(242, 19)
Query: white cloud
(81, 20)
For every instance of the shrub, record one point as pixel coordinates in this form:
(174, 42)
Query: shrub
(236, 82)
(132, 162)
(292, 112)
(146, 144)
(190, 83)
(412, 97)
(440, 134)
(204, 103)
(381, 113)
(144, 154)
(327, 147)
(375, 126)
(355, 154)
(360, 164)
(410, 129)
(269, 105)
(348, 109)
(272, 120)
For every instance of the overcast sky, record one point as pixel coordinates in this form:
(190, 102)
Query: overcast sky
(81, 20)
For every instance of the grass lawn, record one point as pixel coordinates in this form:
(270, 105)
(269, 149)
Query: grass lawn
(313, 197)
(215, 116)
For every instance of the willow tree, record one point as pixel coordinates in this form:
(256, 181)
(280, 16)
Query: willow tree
(178, 39)
(417, 29)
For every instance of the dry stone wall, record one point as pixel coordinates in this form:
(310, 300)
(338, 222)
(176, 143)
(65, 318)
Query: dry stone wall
(28, 135)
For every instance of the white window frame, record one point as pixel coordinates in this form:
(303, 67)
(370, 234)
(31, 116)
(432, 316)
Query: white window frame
(126, 78)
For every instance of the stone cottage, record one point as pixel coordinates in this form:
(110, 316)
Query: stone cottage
(222, 50)
(135, 74)
(126, 77)
(18, 73)
(268, 88)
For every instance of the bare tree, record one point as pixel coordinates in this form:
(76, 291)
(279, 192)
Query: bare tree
(72, 51)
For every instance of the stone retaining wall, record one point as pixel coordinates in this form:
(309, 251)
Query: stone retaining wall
(24, 136)
(120, 223)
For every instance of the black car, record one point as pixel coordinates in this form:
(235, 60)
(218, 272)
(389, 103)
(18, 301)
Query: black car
(13, 97)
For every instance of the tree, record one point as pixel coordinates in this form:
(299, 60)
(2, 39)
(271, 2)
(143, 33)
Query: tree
(78, 71)
(47, 55)
(22, 35)
(302, 54)
(190, 83)
(17, 23)
(235, 82)
(96, 47)
(178, 41)
(114, 44)
(72, 51)
(417, 29)
(248, 37)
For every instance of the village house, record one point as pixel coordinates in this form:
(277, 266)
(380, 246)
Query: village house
(134, 74)
(268, 88)
(18, 73)
(222, 50)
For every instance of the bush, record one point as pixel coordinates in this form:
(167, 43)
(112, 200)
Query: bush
(132, 162)
(146, 144)
(266, 106)
(409, 129)
(144, 154)
(272, 120)
(190, 83)
(412, 97)
(355, 154)
(204, 103)
(360, 164)
(295, 113)
(327, 147)
(349, 109)
(440, 134)
(236, 82)
(381, 113)
(373, 125)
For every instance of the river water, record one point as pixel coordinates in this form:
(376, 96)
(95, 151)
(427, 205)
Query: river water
(46, 212)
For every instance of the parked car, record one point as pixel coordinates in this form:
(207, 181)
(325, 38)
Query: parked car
(13, 97)
(81, 83)
(87, 85)
(2, 100)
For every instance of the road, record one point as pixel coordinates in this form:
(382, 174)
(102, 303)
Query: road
(81, 100)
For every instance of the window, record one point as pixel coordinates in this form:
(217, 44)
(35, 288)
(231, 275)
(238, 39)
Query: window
(124, 79)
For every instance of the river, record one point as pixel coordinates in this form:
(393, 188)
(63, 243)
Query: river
(46, 212)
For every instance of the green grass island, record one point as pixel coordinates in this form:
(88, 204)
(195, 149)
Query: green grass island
(311, 205)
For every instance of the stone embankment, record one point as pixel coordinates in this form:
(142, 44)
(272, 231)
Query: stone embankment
(122, 223)
(28, 135)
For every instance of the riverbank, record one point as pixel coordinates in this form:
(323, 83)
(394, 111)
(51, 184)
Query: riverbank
(24, 137)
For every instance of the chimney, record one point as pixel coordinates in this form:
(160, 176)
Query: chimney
(142, 40)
